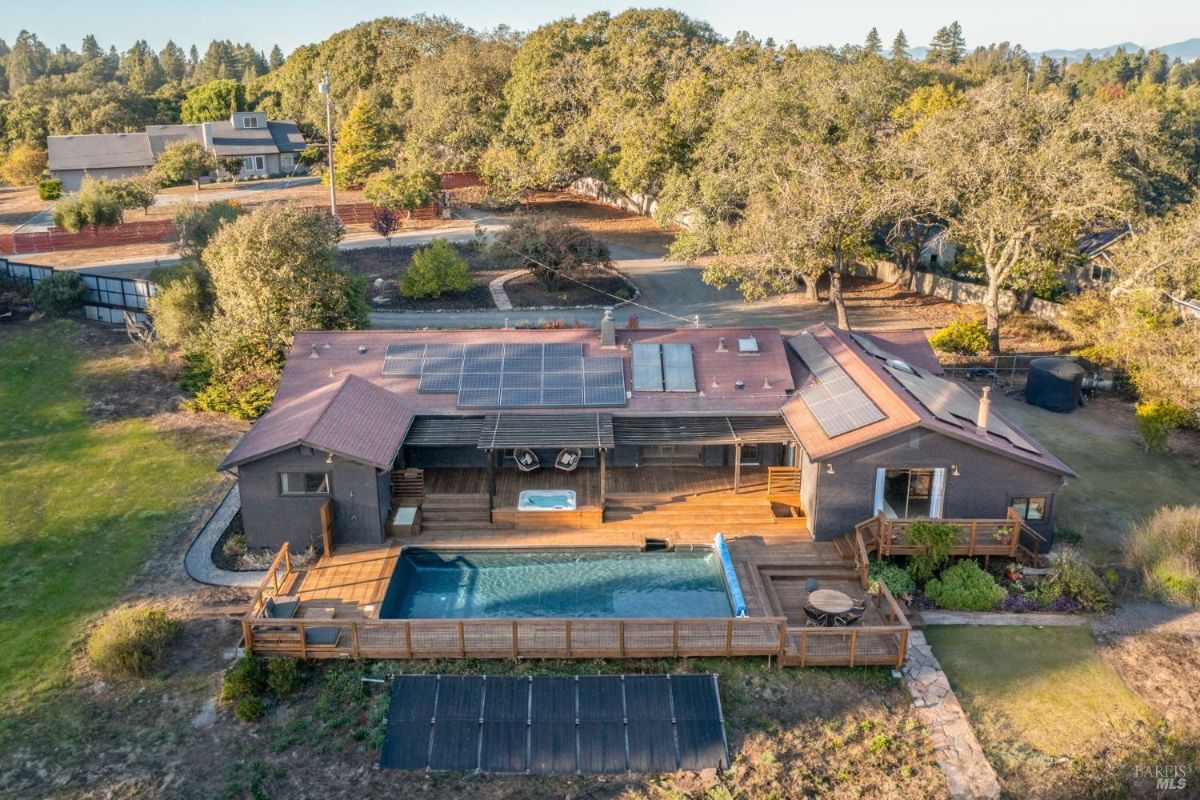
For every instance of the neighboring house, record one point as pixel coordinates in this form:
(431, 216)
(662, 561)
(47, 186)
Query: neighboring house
(1097, 265)
(266, 147)
(365, 422)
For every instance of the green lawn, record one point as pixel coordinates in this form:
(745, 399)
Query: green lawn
(1119, 482)
(1041, 688)
(81, 502)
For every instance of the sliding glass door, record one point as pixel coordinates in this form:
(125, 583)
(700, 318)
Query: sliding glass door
(910, 493)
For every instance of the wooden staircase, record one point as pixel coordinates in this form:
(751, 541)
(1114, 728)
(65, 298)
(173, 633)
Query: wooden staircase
(440, 512)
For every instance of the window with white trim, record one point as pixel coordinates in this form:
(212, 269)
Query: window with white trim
(287, 160)
(1029, 508)
(302, 483)
(250, 122)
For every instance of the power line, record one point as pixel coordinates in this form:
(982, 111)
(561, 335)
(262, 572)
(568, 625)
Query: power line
(694, 321)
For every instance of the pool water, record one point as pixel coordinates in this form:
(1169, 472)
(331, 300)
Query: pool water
(550, 583)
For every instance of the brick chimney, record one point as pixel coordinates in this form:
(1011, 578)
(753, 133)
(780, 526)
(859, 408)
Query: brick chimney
(985, 410)
(608, 330)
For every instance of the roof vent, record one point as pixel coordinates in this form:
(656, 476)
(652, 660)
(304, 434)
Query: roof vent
(748, 345)
(314, 353)
(331, 375)
(362, 349)
(721, 348)
(739, 385)
(903, 366)
(767, 383)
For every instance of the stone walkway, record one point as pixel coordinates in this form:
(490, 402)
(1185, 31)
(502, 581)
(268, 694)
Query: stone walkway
(1040, 619)
(499, 296)
(198, 562)
(955, 747)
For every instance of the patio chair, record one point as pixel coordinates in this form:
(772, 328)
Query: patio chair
(282, 607)
(322, 637)
(816, 618)
(850, 617)
(568, 458)
(527, 460)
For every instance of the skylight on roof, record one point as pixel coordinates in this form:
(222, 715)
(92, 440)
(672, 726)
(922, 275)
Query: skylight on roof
(903, 366)
(748, 345)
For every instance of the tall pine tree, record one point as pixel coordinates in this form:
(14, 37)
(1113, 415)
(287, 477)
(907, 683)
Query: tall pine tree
(275, 61)
(948, 46)
(900, 46)
(362, 146)
(873, 45)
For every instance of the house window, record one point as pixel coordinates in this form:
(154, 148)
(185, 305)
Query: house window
(1029, 508)
(248, 164)
(250, 122)
(259, 163)
(683, 454)
(910, 493)
(304, 483)
(750, 455)
(287, 160)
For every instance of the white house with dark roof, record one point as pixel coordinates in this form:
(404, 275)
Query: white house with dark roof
(266, 147)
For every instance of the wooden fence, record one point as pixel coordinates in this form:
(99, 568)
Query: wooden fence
(976, 537)
(515, 638)
(853, 645)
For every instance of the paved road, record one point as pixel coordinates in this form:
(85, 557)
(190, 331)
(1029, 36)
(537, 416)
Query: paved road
(672, 293)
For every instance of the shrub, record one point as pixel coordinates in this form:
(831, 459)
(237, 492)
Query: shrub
(1072, 576)
(248, 401)
(435, 270)
(183, 304)
(933, 541)
(23, 165)
(283, 676)
(235, 545)
(965, 587)
(550, 249)
(50, 189)
(897, 579)
(1166, 549)
(97, 204)
(1018, 604)
(60, 294)
(1156, 419)
(246, 678)
(963, 336)
(129, 641)
(249, 708)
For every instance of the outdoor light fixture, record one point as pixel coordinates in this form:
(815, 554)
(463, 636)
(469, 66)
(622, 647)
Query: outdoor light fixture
(329, 458)
(954, 470)
(828, 468)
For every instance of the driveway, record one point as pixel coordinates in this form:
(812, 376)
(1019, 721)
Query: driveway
(672, 293)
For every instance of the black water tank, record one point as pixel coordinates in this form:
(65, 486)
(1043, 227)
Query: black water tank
(1055, 384)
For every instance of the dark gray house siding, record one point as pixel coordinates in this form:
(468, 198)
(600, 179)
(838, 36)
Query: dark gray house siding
(986, 483)
(361, 495)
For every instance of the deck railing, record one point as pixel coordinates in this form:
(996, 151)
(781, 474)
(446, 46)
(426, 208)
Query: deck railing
(783, 483)
(853, 645)
(273, 582)
(976, 537)
(516, 638)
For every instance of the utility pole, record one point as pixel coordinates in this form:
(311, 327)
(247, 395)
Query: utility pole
(323, 88)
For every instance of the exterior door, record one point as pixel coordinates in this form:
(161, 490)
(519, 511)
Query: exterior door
(910, 493)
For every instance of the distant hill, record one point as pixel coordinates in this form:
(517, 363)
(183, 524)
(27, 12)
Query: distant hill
(1187, 50)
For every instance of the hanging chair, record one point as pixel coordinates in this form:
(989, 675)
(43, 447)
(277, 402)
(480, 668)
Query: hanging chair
(568, 458)
(527, 460)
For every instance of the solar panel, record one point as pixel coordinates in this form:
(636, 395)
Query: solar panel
(440, 382)
(444, 351)
(522, 364)
(562, 380)
(563, 397)
(678, 368)
(604, 395)
(564, 364)
(563, 350)
(405, 351)
(401, 366)
(479, 398)
(647, 367)
(520, 397)
(441, 364)
(836, 401)
(481, 380)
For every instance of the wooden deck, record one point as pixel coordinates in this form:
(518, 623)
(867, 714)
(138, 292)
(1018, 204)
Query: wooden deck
(341, 595)
(1009, 537)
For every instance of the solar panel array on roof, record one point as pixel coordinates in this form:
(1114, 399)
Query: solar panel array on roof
(663, 367)
(600, 724)
(836, 401)
(522, 375)
(953, 404)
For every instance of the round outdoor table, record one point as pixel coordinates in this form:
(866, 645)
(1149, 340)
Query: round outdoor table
(830, 601)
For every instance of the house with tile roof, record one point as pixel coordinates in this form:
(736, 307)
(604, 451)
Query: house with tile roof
(265, 147)
(640, 429)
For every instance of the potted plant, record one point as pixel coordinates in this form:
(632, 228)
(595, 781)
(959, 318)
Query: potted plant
(1013, 572)
(1001, 534)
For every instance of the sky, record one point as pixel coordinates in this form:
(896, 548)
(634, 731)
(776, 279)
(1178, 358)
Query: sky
(1035, 24)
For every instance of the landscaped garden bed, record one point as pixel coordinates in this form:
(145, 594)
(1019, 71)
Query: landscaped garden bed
(230, 552)
(384, 269)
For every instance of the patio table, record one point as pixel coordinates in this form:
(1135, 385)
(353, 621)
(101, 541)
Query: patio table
(830, 601)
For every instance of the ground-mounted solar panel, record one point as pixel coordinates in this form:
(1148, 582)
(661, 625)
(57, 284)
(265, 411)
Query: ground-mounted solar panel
(836, 401)
(647, 367)
(679, 371)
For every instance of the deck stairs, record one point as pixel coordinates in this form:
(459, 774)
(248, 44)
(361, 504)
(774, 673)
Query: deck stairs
(668, 511)
(440, 512)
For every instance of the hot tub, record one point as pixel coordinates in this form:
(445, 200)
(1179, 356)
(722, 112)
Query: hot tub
(546, 500)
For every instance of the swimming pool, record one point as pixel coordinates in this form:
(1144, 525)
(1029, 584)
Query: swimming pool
(463, 584)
